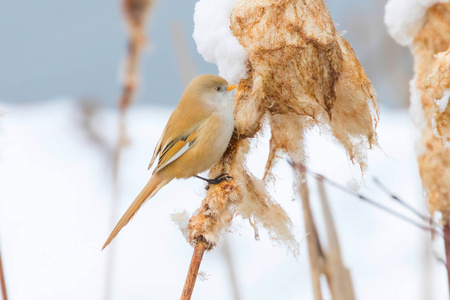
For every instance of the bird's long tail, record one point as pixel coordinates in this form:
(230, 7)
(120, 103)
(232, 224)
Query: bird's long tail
(151, 188)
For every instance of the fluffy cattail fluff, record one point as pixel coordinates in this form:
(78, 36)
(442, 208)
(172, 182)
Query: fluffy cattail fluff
(430, 91)
(438, 86)
(300, 73)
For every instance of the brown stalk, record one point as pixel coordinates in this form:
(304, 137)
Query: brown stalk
(300, 73)
(315, 252)
(431, 52)
(193, 271)
(2, 280)
(339, 279)
(188, 71)
(328, 263)
(447, 250)
(135, 14)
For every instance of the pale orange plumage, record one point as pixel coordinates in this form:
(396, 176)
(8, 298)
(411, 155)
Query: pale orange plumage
(195, 137)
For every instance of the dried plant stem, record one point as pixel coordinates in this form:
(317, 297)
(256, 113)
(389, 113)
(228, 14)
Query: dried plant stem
(193, 271)
(315, 251)
(427, 219)
(136, 15)
(447, 250)
(329, 263)
(374, 203)
(339, 279)
(2, 280)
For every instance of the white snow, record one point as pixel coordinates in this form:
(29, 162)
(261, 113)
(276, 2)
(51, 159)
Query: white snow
(55, 201)
(443, 102)
(404, 18)
(441, 106)
(214, 39)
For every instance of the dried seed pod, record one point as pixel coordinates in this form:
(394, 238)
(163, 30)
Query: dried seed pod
(299, 64)
(428, 35)
(300, 73)
(438, 86)
(434, 163)
(136, 14)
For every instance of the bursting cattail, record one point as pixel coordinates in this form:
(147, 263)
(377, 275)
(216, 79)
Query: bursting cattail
(294, 71)
(427, 33)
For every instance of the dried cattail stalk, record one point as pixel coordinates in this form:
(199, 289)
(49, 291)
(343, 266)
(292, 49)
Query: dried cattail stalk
(136, 14)
(315, 251)
(2, 280)
(339, 278)
(330, 262)
(429, 43)
(191, 277)
(299, 73)
(432, 82)
(438, 86)
(249, 199)
(300, 66)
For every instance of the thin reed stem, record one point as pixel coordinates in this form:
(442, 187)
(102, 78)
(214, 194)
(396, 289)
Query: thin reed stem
(135, 14)
(338, 276)
(447, 250)
(2, 280)
(405, 204)
(315, 252)
(193, 271)
(374, 203)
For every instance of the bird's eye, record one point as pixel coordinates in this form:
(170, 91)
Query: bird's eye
(218, 88)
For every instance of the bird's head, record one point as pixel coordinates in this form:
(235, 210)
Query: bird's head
(211, 89)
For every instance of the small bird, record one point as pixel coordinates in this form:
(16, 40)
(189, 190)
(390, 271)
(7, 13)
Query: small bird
(194, 139)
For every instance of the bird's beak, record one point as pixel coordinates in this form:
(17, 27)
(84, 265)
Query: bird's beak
(231, 87)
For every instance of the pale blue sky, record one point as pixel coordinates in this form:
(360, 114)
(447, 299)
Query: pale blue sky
(53, 48)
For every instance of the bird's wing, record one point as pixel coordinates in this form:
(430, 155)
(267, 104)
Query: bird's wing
(175, 148)
(155, 154)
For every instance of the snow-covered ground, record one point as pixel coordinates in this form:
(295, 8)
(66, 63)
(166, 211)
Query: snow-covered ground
(55, 202)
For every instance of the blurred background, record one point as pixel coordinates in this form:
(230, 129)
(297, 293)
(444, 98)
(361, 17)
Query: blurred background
(51, 49)
(60, 70)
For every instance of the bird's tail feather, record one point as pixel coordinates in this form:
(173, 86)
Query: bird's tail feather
(151, 188)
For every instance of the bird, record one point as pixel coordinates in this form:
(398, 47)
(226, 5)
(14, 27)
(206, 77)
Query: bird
(195, 138)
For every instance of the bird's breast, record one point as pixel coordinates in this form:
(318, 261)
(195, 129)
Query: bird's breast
(213, 138)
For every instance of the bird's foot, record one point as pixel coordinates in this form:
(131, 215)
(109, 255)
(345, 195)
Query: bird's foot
(217, 180)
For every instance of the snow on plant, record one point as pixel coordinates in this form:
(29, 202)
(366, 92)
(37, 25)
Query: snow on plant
(404, 18)
(438, 85)
(424, 25)
(215, 41)
(299, 73)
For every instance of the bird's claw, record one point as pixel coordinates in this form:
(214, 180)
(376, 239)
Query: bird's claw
(218, 179)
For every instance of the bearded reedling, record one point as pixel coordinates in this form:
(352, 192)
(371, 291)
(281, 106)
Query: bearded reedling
(194, 139)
